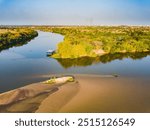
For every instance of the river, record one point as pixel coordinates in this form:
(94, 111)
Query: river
(25, 64)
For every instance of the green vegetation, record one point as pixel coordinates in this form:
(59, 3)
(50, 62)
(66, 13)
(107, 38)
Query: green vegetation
(88, 61)
(15, 37)
(96, 41)
(54, 80)
(51, 81)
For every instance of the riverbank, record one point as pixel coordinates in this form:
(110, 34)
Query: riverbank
(15, 37)
(89, 93)
(85, 41)
(28, 98)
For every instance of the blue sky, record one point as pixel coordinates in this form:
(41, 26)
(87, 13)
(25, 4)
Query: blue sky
(75, 12)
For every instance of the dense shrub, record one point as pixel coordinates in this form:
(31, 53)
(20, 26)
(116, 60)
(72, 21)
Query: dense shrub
(86, 41)
(13, 37)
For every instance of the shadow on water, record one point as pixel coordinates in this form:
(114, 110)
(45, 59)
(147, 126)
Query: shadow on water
(10, 45)
(88, 61)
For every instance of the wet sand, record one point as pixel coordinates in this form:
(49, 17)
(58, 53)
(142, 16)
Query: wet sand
(89, 93)
(107, 95)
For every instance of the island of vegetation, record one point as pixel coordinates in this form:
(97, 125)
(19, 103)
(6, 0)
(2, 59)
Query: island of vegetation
(97, 41)
(15, 36)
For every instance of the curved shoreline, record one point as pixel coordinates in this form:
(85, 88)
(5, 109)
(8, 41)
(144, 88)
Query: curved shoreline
(89, 93)
(10, 100)
(29, 97)
(16, 37)
(90, 41)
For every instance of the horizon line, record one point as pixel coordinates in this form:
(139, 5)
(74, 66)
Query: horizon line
(74, 25)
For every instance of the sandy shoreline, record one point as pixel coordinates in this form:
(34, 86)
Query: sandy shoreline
(89, 93)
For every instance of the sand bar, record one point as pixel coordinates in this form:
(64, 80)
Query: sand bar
(89, 93)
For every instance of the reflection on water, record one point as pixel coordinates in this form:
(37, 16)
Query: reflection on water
(25, 64)
(19, 65)
(87, 61)
(7, 46)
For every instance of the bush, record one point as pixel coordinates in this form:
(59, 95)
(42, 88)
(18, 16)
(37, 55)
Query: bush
(83, 41)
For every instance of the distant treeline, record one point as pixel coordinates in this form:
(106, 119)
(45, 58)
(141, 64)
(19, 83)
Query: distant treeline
(15, 36)
(97, 41)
